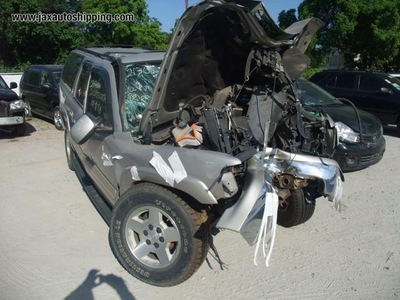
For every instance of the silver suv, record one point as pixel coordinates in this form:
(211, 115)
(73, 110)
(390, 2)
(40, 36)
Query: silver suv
(174, 146)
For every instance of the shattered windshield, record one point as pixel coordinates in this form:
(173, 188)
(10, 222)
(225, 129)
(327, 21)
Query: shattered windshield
(139, 84)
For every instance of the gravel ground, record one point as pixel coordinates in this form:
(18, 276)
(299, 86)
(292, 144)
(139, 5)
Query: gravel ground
(54, 244)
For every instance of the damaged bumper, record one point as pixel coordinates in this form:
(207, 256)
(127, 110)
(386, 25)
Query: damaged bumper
(246, 215)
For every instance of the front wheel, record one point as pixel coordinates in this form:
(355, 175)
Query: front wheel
(295, 210)
(156, 236)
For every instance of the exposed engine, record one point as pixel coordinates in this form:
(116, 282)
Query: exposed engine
(234, 119)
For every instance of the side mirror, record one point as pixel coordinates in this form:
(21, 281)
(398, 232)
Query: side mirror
(385, 90)
(83, 128)
(13, 85)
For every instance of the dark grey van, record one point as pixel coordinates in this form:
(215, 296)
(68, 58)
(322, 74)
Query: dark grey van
(377, 93)
(40, 89)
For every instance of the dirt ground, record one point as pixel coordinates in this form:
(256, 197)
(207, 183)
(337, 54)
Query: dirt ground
(54, 244)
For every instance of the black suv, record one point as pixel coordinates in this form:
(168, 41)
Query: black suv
(377, 93)
(182, 144)
(12, 109)
(39, 87)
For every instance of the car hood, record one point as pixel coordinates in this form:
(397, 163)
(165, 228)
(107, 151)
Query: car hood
(210, 50)
(347, 115)
(8, 95)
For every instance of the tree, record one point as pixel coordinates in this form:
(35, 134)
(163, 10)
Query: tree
(143, 31)
(30, 42)
(287, 18)
(366, 31)
(24, 43)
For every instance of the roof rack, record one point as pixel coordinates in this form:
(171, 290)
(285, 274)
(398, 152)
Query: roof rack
(101, 55)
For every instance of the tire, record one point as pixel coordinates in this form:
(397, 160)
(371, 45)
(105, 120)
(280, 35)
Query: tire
(156, 236)
(57, 118)
(19, 130)
(295, 209)
(69, 152)
(398, 127)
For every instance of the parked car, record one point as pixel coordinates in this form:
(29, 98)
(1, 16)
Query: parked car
(357, 149)
(39, 87)
(12, 109)
(184, 143)
(377, 93)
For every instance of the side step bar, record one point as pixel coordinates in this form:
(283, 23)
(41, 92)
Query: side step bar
(95, 197)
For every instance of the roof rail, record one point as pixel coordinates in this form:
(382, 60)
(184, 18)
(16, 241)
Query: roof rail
(101, 55)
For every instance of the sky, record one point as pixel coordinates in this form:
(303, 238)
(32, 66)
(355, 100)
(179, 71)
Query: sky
(167, 11)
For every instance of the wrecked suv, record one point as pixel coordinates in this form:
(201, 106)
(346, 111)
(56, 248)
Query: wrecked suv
(172, 147)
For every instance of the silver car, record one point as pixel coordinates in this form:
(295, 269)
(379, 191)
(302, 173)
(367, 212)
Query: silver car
(172, 147)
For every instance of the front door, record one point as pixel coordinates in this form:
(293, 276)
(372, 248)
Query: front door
(98, 158)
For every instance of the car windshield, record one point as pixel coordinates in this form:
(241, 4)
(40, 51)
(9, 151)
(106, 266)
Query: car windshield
(57, 76)
(139, 84)
(311, 94)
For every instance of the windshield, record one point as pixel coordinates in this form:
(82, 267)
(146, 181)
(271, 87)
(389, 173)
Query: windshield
(139, 84)
(311, 94)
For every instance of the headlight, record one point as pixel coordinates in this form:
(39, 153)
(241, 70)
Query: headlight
(346, 134)
(19, 104)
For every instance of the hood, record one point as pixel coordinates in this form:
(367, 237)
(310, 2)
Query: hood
(8, 95)
(346, 114)
(212, 48)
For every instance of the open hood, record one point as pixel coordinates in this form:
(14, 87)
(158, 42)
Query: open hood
(213, 46)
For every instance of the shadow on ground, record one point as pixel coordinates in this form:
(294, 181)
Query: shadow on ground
(9, 134)
(94, 279)
(390, 130)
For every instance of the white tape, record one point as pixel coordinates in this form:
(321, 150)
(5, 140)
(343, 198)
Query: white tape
(135, 174)
(177, 173)
(268, 227)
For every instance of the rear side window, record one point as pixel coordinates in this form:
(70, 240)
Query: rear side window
(345, 81)
(370, 83)
(71, 68)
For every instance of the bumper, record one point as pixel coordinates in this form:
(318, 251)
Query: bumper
(12, 120)
(245, 216)
(359, 156)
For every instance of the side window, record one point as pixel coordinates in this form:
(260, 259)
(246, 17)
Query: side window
(45, 78)
(35, 77)
(82, 84)
(331, 81)
(71, 68)
(369, 83)
(345, 81)
(98, 102)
